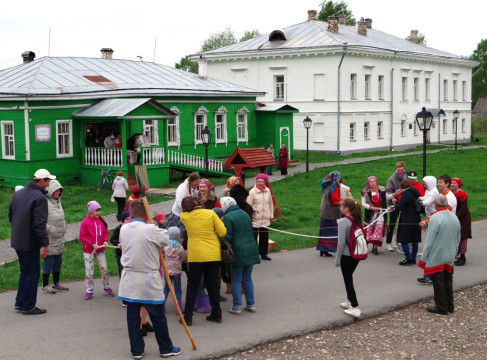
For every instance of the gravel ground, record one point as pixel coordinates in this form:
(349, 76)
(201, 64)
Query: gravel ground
(408, 333)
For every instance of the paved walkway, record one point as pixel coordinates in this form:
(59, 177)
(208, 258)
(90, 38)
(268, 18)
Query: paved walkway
(7, 254)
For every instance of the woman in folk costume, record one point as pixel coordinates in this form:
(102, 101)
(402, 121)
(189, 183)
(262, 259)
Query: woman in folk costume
(374, 202)
(283, 159)
(329, 213)
(463, 215)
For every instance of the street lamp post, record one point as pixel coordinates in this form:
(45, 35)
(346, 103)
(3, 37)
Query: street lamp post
(456, 114)
(424, 120)
(307, 125)
(206, 138)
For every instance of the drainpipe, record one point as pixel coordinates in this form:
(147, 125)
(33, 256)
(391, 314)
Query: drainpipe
(439, 107)
(27, 132)
(392, 110)
(338, 98)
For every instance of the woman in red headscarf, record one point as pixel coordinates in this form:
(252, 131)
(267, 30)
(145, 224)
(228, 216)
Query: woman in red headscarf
(463, 214)
(206, 195)
(283, 159)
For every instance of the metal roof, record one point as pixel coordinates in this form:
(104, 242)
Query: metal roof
(116, 108)
(276, 107)
(95, 77)
(314, 34)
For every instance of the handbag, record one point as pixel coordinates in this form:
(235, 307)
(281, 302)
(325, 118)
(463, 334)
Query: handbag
(112, 199)
(227, 251)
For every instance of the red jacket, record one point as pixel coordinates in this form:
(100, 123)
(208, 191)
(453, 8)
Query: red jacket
(418, 186)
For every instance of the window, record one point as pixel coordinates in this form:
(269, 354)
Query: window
(319, 87)
(404, 94)
(150, 130)
(353, 86)
(427, 83)
(416, 89)
(352, 131)
(444, 125)
(279, 87)
(199, 124)
(221, 125)
(64, 143)
(318, 132)
(8, 141)
(464, 90)
(403, 127)
(464, 122)
(380, 87)
(173, 128)
(445, 90)
(366, 131)
(454, 126)
(415, 129)
(379, 129)
(242, 130)
(367, 87)
(455, 90)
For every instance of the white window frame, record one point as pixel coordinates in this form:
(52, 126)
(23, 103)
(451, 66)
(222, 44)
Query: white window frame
(404, 88)
(416, 89)
(242, 126)
(352, 131)
(445, 125)
(464, 90)
(63, 135)
(455, 90)
(367, 130)
(353, 86)
(221, 127)
(201, 113)
(151, 131)
(175, 126)
(464, 125)
(319, 87)
(380, 87)
(279, 87)
(453, 125)
(427, 89)
(415, 129)
(367, 87)
(403, 127)
(445, 90)
(8, 140)
(380, 126)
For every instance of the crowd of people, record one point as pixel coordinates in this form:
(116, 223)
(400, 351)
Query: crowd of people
(190, 238)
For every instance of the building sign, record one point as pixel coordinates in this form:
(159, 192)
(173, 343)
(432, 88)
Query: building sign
(43, 133)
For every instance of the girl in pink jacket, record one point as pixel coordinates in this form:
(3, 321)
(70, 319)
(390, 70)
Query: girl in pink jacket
(93, 234)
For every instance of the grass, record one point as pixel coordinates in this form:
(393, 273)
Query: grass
(299, 199)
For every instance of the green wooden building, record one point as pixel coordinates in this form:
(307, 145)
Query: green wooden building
(55, 113)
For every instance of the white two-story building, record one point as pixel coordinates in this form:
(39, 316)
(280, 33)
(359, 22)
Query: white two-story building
(361, 87)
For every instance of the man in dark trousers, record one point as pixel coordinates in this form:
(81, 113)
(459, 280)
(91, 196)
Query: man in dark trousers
(28, 215)
(393, 195)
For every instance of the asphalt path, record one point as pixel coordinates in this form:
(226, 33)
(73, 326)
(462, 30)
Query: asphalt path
(297, 292)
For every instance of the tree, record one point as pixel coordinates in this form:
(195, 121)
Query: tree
(250, 35)
(218, 40)
(187, 65)
(330, 8)
(421, 39)
(479, 73)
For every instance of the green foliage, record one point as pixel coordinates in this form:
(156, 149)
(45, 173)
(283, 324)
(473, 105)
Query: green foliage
(188, 65)
(218, 40)
(421, 39)
(250, 34)
(329, 8)
(479, 126)
(479, 81)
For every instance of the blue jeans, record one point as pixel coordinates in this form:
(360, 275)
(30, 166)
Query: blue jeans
(410, 255)
(30, 270)
(176, 283)
(269, 169)
(242, 276)
(158, 317)
(52, 263)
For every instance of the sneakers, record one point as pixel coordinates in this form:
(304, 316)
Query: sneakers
(34, 311)
(353, 312)
(425, 280)
(48, 290)
(108, 292)
(175, 352)
(139, 356)
(389, 247)
(88, 296)
(235, 312)
(346, 305)
(60, 287)
(251, 308)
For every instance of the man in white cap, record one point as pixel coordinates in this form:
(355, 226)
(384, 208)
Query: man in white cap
(28, 215)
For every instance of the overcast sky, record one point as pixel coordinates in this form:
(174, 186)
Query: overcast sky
(130, 28)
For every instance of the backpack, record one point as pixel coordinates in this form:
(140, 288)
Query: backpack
(418, 206)
(357, 244)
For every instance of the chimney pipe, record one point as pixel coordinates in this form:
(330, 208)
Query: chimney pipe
(342, 19)
(414, 36)
(106, 53)
(362, 27)
(333, 23)
(312, 14)
(368, 23)
(28, 56)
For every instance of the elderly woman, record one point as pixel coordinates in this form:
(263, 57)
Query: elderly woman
(232, 180)
(206, 194)
(374, 202)
(283, 159)
(239, 235)
(260, 199)
(329, 213)
(204, 229)
(463, 215)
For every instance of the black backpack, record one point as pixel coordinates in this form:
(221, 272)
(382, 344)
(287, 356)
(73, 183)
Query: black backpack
(418, 206)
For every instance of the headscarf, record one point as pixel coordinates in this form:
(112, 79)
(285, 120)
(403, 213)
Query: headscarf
(226, 202)
(211, 189)
(458, 181)
(430, 182)
(263, 177)
(331, 177)
(367, 186)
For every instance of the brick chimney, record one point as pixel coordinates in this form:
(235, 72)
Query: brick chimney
(342, 19)
(362, 27)
(414, 36)
(333, 23)
(106, 53)
(312, 14)
(368, 23)
(28, 56)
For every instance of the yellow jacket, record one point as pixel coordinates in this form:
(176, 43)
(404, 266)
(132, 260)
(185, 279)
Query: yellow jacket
(204, 229)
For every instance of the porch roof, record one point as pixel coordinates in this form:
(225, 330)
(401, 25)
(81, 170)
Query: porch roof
(118, 108)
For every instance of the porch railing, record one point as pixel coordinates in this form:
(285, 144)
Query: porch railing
(177, 157)
(110, 157)
(152, 155)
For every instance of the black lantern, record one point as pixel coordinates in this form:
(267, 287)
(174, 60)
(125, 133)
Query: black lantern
(307, 125)
(424, 119)
(206, 139)
(456, 114)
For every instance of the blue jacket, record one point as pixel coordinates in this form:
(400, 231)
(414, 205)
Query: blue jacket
(28, 215)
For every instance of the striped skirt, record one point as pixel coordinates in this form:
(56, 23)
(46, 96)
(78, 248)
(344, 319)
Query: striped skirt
(329, 232)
